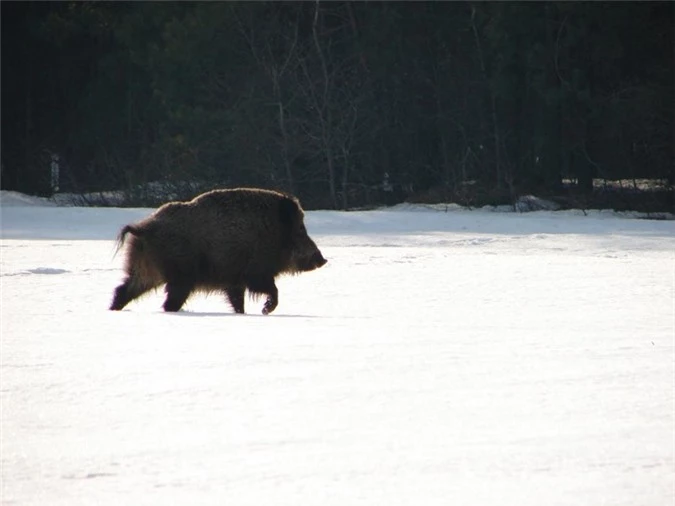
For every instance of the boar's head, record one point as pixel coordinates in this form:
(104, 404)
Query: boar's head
(303, 252)
(305, 255)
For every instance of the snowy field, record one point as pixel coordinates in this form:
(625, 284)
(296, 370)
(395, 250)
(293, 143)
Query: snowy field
(439, 358)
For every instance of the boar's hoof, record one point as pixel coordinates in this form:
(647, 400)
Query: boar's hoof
(270, 305)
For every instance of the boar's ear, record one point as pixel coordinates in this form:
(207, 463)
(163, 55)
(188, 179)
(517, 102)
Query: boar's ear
(288, 211)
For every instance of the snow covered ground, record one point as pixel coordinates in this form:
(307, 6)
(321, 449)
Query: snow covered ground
(462, 357)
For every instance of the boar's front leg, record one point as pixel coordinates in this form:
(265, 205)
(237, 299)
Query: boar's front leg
(266, 286)
(272, 301)
(235, 294)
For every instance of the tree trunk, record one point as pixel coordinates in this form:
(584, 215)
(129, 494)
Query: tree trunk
(325, 113)
(492, 100)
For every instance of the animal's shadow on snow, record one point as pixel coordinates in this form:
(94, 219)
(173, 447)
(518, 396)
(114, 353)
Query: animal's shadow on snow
(235, 315)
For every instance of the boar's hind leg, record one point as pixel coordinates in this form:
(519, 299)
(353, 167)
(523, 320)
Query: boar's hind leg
(235, 294)
(266, 286)
(126, 292)
(176, 295)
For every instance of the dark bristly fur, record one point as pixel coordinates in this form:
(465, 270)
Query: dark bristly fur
(230, 241)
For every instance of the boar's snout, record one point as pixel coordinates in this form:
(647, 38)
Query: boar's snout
(309, 257)
(314, 261)
(318, 260)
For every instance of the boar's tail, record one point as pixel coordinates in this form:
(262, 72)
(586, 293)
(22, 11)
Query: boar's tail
(129, 229)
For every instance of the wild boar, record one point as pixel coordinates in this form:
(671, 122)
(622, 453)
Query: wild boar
(229, 241)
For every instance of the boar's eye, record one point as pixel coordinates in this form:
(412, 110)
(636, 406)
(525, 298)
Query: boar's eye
(301, 230)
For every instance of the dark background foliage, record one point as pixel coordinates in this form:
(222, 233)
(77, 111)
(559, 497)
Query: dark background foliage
(343, 103)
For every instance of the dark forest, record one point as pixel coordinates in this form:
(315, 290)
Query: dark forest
(345, 104)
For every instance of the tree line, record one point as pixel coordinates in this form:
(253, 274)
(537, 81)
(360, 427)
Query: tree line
(345, 104)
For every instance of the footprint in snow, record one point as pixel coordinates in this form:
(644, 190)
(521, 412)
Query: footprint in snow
(46, 270)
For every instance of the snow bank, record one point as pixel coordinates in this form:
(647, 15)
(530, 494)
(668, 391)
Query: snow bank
(16, 199)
